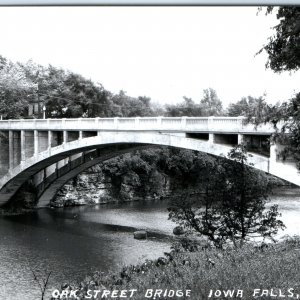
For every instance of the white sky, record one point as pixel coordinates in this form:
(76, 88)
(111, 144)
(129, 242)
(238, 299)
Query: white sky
(161, 52)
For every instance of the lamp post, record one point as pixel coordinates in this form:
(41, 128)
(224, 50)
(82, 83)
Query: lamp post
(44, 111)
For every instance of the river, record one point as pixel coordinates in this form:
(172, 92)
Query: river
(72, 242)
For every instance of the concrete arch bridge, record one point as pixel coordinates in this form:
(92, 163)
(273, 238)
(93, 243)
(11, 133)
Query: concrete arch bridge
(49, 152)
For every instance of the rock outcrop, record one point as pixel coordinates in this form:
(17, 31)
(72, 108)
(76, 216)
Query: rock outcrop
(94, 187)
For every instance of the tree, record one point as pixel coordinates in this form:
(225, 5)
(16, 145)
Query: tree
(239, 108)
(87, 99)
(250, 107)
(186, 169)
(15, 89)
(67, 94)
(210, 103)
(232, 207)
(187, 108)
(283, 51)
(123, 105)
(41, 280)
(283, 47)
(49, 83)
(287, 115)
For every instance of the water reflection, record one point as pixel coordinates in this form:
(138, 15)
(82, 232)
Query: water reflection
(72, 242)
(75, 241)
(288, 201)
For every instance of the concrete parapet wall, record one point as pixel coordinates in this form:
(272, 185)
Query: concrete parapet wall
(186, 124)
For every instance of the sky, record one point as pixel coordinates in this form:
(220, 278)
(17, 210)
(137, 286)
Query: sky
(161, 52)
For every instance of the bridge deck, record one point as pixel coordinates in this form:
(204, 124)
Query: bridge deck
(183, 124)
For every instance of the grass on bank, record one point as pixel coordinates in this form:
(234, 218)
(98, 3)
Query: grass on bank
(276, 266)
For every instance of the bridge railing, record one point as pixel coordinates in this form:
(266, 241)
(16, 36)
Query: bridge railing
(208, 124)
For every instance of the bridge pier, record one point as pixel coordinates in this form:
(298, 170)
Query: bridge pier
(4, 153)
(50, 139)
(23, 147)
(240, 139)
(11, 152)
(273, 153)
(36, 142)
(14, 148)
(65, 137)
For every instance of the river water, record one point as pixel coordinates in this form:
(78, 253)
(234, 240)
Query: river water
(72, 242)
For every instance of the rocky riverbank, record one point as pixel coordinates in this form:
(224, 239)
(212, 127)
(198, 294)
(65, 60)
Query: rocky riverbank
(94, 187)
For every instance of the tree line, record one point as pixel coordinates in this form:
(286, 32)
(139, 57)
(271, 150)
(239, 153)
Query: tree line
(66, 94)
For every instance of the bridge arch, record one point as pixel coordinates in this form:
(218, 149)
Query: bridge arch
(108, 145)
(52, 189)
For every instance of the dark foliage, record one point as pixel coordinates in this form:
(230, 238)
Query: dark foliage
(232, 207)
(283, 47)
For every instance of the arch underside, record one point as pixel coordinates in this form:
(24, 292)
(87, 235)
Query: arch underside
(105, 146)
